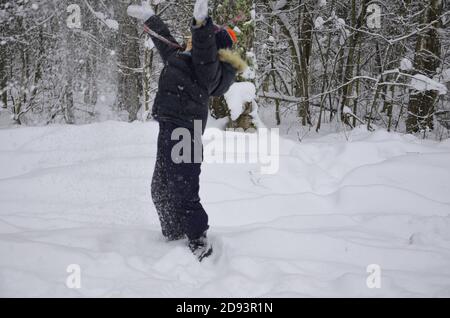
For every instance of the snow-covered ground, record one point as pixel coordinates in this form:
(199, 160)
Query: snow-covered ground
(81, 195)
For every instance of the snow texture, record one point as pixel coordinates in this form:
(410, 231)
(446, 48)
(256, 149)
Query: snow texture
(446, 75)
(423, 83)
(340, 22)
(81, 195)
(280, 4)
(201, 10)
(141, 12)
(238, 95)
(319, 22)
(148, 44)
(321, 3)
(406, 64)
(347, 110)
(112, 24)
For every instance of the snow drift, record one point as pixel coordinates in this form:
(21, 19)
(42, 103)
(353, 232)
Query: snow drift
(80, 195)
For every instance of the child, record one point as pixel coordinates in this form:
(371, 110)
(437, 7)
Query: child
(205, 68)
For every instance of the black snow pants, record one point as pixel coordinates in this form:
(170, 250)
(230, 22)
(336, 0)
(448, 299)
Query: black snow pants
(175, 189)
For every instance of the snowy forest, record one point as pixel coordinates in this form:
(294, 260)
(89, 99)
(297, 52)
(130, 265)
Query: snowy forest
(345, 194)
(316, 64)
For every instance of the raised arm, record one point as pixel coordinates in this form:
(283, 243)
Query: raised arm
(165, 42)
(205, 55)
(160, 34)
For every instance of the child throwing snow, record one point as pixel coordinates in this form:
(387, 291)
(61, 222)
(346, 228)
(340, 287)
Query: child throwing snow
(207, 67)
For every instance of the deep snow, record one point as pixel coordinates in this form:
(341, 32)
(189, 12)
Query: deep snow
(81, 195)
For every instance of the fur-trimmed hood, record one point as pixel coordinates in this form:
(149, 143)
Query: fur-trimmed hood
(234, 59)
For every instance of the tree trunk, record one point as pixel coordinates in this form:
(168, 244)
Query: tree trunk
(3, 77)
(68, 101)
(421, 106)
(347, 91)
(91, 93)
(129, 80)
(147, 73)
(305, 42)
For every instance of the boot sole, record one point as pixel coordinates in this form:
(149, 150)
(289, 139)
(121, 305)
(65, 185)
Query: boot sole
(207, 254)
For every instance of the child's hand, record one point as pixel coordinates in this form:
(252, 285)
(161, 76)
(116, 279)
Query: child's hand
(201, 11)
(142, 12)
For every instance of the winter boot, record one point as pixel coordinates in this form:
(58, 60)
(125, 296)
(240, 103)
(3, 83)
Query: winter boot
(201, 247)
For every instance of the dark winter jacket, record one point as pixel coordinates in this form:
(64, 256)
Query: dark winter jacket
(188, 80)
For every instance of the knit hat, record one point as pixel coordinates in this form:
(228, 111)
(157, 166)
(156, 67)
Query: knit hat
(225, 37)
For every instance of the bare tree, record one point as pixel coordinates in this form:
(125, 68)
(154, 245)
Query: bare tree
(129, 73)
(427, 60)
